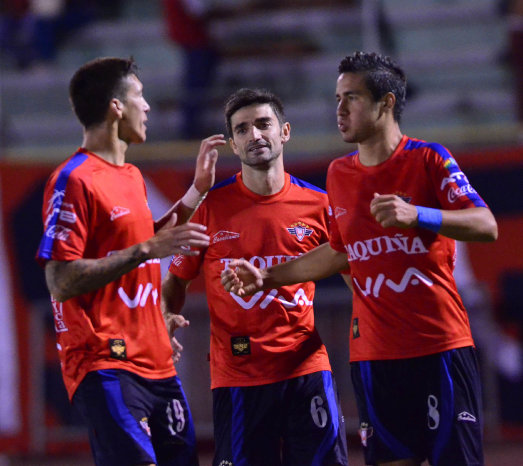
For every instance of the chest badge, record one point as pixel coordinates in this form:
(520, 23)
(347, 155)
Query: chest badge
(404, 196)
(300, 230)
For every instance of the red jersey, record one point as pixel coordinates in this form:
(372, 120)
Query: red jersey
(92, 208)
(271, 335)
(405, 299)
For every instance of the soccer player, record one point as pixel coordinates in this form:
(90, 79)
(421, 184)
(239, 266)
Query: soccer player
(101, 251)
(275, 401)
(398, 205)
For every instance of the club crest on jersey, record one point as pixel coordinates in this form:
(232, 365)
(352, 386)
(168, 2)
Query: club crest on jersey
(404, 196)
(224, 235)
(119, 212)
(300, 230)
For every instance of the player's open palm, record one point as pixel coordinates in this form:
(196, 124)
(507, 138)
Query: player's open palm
(242, 278)
(206, 162)
(392, 211)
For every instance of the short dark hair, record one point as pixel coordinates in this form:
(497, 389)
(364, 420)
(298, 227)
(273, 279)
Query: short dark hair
(382, 75)
(94, 85)
(245, 97)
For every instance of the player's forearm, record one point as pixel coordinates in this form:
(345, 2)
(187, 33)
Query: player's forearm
(67, 279)
(317, 264)
(183, 208)
(173, 294)
(476, 224)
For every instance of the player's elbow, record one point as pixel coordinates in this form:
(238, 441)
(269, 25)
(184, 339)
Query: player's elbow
(488, 230)
(58, 294)
(56, 282)
(492, 233)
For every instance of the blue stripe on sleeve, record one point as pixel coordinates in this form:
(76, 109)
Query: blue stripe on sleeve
(45, 250)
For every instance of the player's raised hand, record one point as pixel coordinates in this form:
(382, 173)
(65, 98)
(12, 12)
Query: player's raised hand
(206, 162)
(242, 278)
(392, 211)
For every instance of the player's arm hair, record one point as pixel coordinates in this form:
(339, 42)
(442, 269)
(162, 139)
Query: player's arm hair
(67, 279)
(174, 290)
(475, 224)
(321, 262)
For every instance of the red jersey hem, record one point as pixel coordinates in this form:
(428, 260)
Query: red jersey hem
(142, 373)
(250, 382)
(414, 354)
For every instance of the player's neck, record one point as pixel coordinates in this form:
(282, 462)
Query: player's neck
(264, 182)
(105, 144)
(380, 147)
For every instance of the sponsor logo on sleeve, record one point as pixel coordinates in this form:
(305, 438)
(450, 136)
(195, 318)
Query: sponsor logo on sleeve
(58, 232)
(339, 211)
(118, 212)
(450, 163)
(300, 230)
(53, 206)
(67, 216)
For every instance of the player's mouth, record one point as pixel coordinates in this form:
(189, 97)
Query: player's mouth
(342, 126)
(256, 147)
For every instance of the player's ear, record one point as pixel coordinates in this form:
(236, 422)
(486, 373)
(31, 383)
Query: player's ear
(285, 132)
(233, 145)
(388, 101)
(116, 107)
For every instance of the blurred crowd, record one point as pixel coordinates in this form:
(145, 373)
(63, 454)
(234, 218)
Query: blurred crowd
(31, 31)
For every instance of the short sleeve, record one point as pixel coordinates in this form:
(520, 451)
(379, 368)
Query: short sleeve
(65, 215)
(452, 186)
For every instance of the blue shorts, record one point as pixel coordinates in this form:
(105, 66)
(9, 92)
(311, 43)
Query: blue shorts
(422, 408)
(292, 422)
(133, 420)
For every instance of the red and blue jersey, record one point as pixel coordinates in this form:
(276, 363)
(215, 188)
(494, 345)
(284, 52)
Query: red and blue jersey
(91, 209)
(271, 335)
(405, 299)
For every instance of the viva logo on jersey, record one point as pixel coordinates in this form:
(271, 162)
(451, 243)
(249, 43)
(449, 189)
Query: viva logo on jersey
(263, 299)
